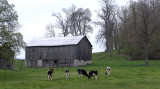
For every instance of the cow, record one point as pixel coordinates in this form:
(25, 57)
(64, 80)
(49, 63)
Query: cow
(49, 73)
(67, 73)
(82, 72)
(108, 70)
(92, 74)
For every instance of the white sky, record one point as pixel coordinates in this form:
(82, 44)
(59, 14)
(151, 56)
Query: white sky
(34, 15)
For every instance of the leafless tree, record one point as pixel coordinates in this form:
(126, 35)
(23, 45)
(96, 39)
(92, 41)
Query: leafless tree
(73, 21)
(80, 21)
(149, 17)
(62, 23)
(107, 22)
(50, 30)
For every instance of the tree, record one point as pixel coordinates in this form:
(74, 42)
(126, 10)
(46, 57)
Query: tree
(50, 31)
(6, 52)
(140, 21)
(150, 22)
(80, 21)
(73, 21)
(9, 26)
(128, 33)
(107, 23)
(62, 23)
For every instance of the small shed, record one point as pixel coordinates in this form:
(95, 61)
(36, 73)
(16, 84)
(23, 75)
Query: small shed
(6, 56)
(58, 52)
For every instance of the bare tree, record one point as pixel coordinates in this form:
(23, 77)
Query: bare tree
(80, 21)
(50, 30)
(107, 23)
(149, 18)
(72, 21)
(71, 12)
(62, 23)
(83, 21)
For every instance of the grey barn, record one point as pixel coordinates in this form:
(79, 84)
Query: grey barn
(58, 52)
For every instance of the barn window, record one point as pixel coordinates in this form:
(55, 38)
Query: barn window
(55, 61)
(8, 66)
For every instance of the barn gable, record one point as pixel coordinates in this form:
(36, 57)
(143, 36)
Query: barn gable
(58, 52)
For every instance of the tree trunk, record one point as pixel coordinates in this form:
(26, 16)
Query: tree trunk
(146, 53)
(146, 60)
(109, 46)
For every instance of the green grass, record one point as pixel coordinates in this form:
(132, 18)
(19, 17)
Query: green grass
(125, 74)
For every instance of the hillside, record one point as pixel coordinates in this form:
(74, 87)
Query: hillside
(125, 74)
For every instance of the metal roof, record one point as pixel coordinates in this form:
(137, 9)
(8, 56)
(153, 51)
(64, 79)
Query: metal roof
(55, 41)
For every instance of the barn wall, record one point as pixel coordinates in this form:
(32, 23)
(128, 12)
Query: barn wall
(78, 62)
(84, 50)
(46, 53)
(51, 56)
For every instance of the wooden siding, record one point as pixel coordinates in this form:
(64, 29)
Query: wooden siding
(47, 53)
(84, 50)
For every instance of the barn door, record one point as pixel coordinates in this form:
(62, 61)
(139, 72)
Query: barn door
(55, 63)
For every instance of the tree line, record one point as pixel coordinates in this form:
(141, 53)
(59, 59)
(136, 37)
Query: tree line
(139, 29)
(133, 29)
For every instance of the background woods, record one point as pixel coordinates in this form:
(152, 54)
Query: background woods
(133, 29)
(140, 28)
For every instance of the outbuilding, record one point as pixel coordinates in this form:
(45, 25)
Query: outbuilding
(58, 52)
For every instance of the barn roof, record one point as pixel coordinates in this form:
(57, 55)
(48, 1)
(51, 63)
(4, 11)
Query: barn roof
(55, 41)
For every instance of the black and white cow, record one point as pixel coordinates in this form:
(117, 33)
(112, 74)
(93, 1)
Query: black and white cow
(92, 74)
(49, 73)
(108, 70)
(67, 73)
(82, 72)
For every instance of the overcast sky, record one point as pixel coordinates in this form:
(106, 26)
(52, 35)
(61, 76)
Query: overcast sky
(34, 15)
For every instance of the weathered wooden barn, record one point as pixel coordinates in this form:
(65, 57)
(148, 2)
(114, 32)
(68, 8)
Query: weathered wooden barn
(58, 52)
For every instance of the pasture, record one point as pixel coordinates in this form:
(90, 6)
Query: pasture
(125, 74)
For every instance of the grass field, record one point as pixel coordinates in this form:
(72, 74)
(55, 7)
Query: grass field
(125, 74)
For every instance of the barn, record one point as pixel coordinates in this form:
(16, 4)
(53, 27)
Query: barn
(58, 52)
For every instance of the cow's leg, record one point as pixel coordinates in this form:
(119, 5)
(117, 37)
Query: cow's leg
(67, 75)
(78, 75)
(96, 77)
(48, 77)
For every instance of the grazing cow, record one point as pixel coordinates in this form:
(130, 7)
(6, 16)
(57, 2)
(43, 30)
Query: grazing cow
(108, 70)
(67, 73)
(92, 74)
(82, 72)
(50, 74)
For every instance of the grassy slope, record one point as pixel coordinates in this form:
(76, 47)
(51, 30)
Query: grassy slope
(124, 75)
